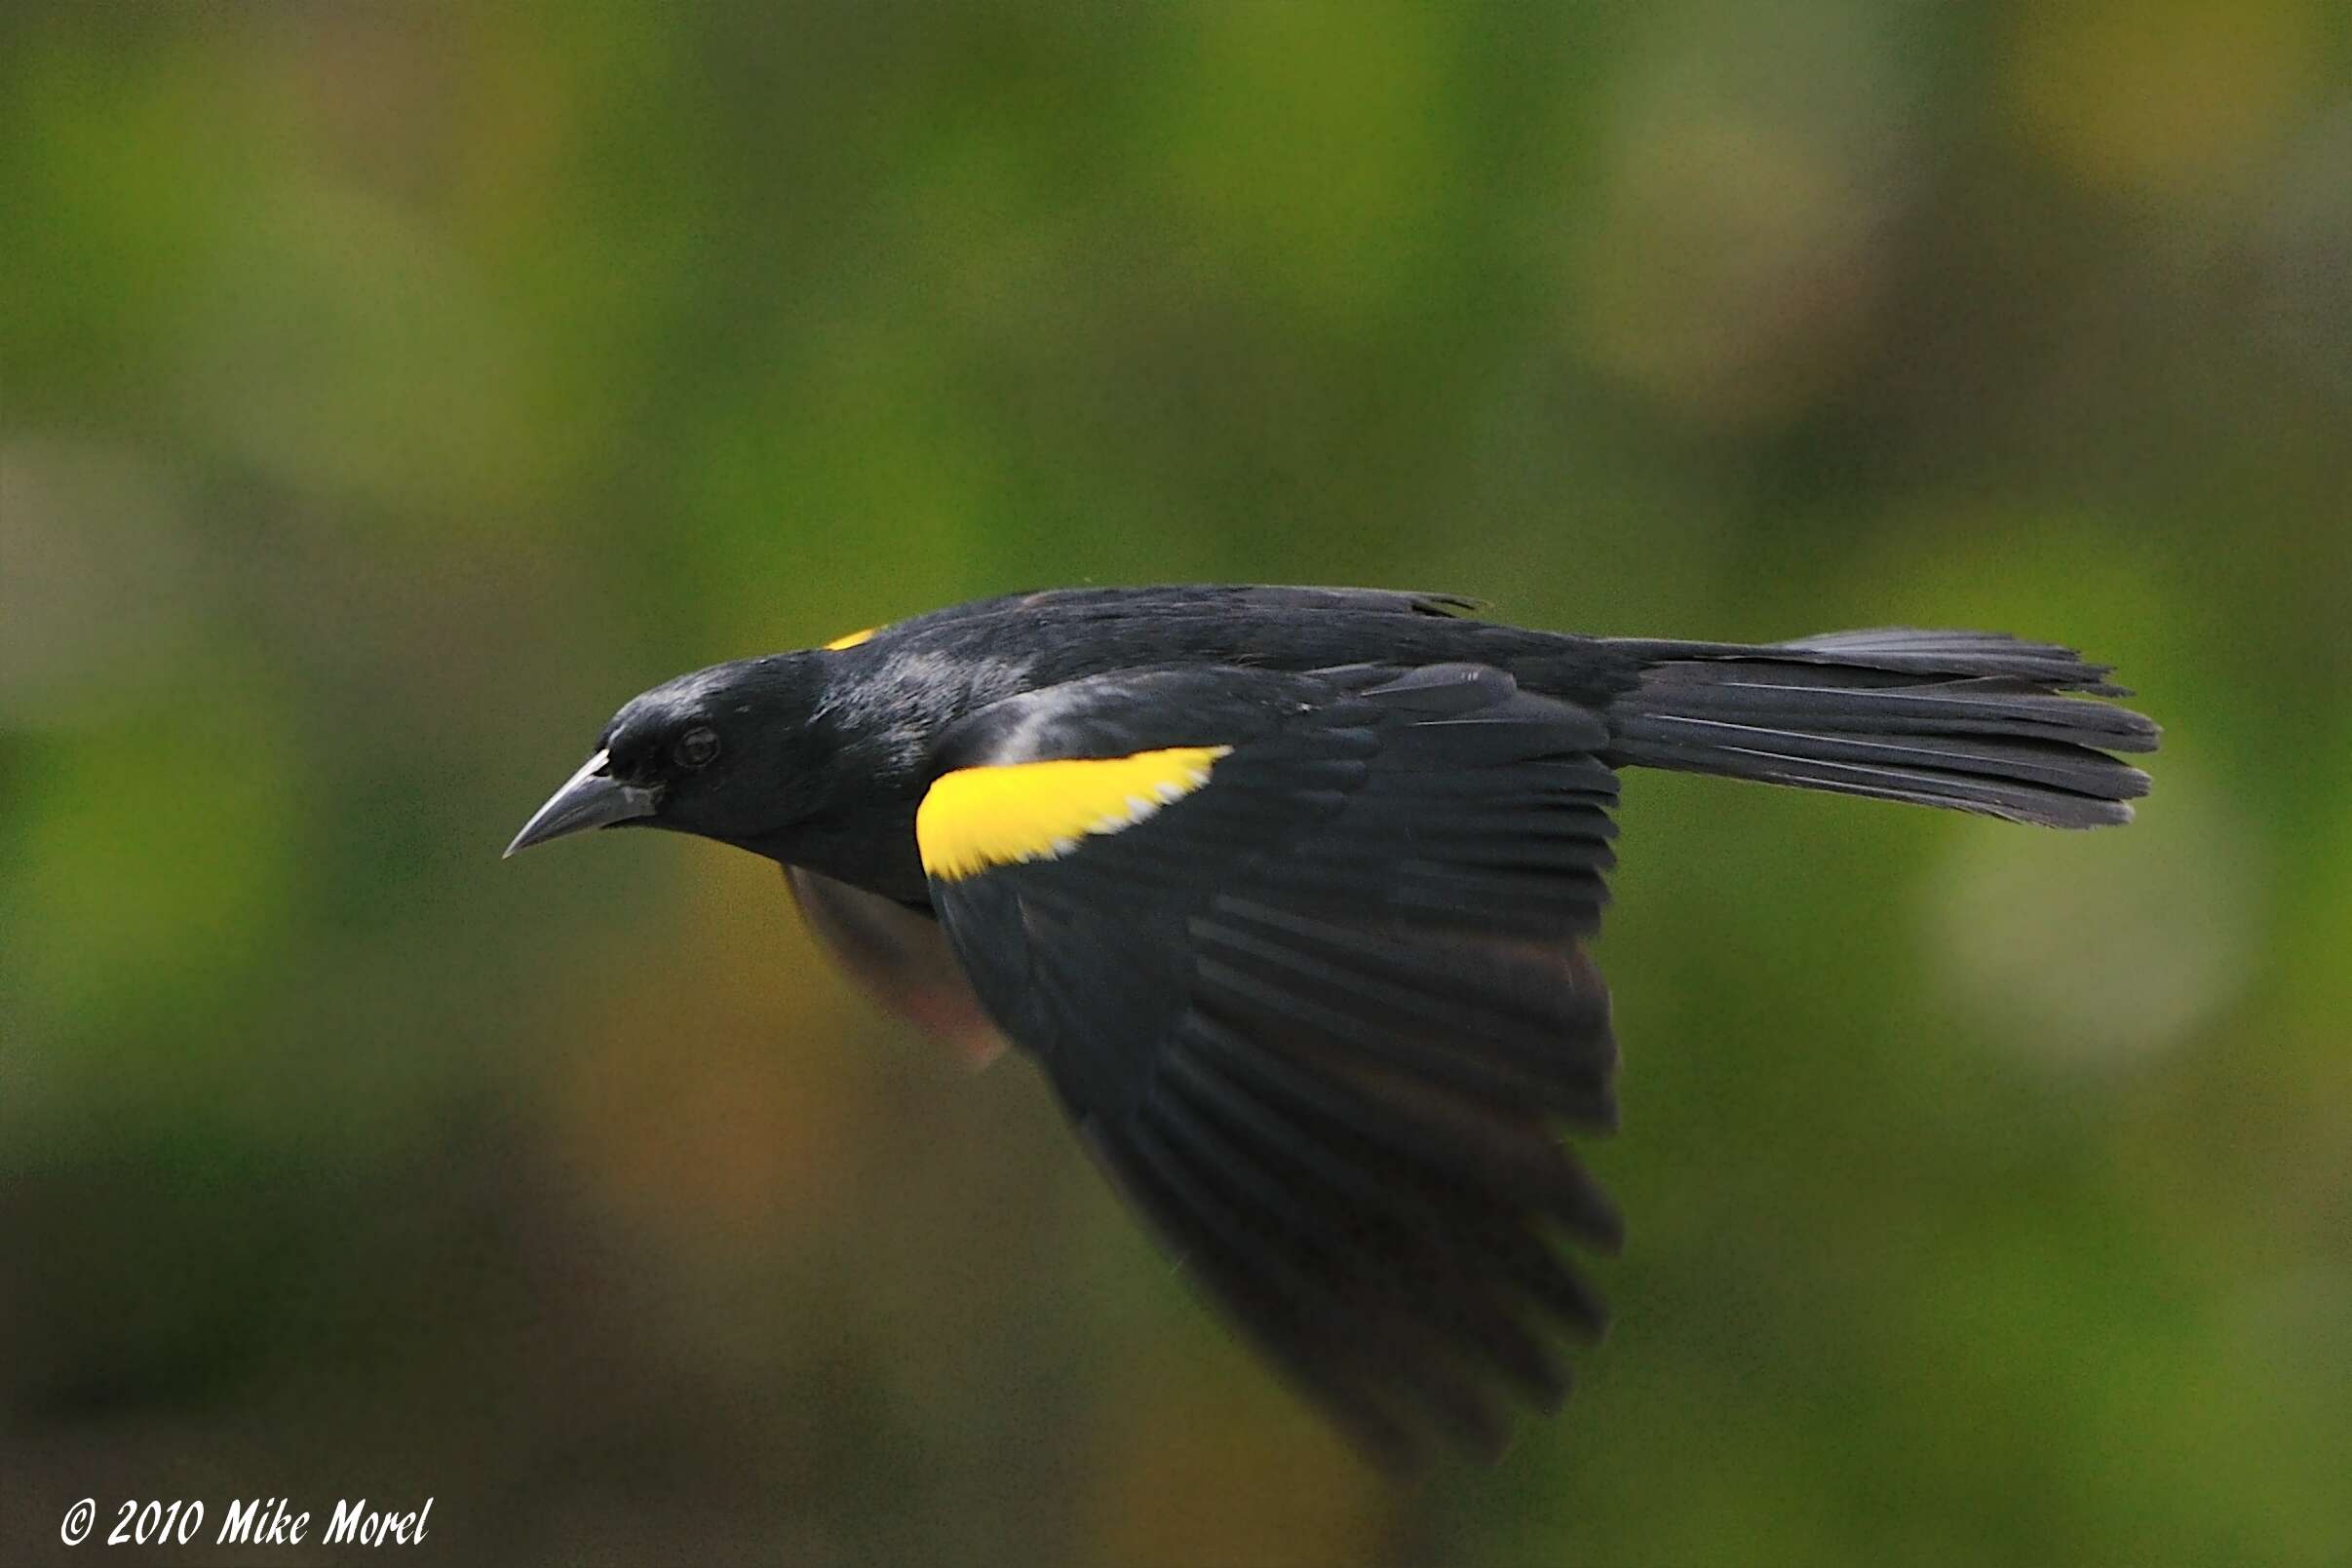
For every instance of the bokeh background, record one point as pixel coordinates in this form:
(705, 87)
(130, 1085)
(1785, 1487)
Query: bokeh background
(386, 392)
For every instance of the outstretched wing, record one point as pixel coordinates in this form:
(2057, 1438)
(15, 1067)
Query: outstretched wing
(899, 957)
(1300, 954)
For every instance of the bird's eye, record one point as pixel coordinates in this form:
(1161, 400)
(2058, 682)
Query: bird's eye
(696, 748)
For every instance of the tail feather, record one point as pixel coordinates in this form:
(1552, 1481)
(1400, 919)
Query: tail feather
(1982, 653)
(1967, 720)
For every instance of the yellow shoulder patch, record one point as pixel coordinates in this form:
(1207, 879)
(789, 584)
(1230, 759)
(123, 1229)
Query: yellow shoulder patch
(839, 644)
(977, 818)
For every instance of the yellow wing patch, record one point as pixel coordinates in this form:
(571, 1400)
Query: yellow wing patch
(977, 818)
(840, 644)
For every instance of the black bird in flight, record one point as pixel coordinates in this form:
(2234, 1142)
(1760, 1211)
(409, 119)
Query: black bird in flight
(1288, 890)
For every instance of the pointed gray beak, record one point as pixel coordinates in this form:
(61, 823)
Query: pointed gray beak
(588, 799)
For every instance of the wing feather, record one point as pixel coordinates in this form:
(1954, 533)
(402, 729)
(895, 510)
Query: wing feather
(1321, 1018)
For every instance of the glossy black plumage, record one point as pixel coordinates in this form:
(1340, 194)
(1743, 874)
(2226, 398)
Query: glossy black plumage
(1312, 1018)
(1318, 1000)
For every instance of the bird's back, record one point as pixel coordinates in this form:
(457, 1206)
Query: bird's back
(988, 649)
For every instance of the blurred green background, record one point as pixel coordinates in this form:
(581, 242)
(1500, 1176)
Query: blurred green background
(386, 392)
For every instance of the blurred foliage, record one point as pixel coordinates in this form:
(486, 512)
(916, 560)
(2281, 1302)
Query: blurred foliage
(386, 391)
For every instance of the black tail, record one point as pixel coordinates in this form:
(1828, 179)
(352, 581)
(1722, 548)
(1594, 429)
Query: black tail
(1968, 721)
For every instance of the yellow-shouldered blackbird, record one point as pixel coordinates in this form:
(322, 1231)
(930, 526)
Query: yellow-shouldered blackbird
(1287, 890)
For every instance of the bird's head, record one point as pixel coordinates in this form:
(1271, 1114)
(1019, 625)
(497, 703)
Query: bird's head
(727, 753)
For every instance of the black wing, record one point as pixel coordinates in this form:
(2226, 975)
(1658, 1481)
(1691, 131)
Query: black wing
(1302, 955)
(1071, 610)
(899, 957)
